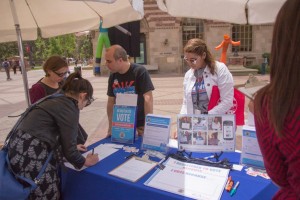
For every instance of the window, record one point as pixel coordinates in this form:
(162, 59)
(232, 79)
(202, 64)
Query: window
(242, 33)
(192, 28)
(142, 59)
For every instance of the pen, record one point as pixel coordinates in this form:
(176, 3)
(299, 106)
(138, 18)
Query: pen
(93, 151)
(160, 165)
(233, 191)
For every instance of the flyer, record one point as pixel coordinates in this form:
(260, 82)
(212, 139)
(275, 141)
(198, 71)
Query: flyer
(157, 133)
(251, 154)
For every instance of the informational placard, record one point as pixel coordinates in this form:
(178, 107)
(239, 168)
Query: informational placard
(251, 154)
(206, 133)
(156, 133)
(123, 124)
(190, 180)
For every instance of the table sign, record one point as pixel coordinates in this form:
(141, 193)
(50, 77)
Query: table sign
(251, 154)
(206, 133)
(123, 124)
(156, 133)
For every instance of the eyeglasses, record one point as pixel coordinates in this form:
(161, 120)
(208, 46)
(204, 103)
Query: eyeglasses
(192, 60)
(61, 74)
(89, 101)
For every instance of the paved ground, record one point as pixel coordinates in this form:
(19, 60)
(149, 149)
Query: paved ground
(167, 101)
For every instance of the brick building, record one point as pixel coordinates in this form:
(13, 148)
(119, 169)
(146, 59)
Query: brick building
(163, 37)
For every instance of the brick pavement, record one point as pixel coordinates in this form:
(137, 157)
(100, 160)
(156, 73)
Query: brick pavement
(167, 101)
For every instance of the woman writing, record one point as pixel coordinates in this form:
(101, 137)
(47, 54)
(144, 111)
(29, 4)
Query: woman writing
(56, 68)
(52, 123)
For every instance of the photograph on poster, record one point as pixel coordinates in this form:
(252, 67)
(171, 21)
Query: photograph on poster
(206, 133)
(185, 123)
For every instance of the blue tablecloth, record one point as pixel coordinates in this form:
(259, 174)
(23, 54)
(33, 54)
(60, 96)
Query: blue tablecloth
(95, 182)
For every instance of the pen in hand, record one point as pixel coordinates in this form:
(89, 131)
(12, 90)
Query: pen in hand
(93, 151)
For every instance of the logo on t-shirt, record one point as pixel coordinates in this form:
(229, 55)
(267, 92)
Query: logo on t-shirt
(126, 87)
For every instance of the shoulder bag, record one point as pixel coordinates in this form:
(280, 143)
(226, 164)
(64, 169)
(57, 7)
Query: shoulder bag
(10, 187)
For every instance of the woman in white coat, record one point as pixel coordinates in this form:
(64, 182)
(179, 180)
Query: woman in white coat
(199, 80)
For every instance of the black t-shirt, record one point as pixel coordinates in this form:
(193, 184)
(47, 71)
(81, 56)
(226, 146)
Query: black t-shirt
(135, 81)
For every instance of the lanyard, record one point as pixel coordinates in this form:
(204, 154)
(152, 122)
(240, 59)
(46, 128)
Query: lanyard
(197, 87)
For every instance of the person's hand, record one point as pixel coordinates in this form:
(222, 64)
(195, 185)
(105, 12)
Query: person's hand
(251, 106)
(91, 159)
(174, 134)
(81, 147)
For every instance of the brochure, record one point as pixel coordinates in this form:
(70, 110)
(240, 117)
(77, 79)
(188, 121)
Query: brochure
(206, 133)
(123, 124)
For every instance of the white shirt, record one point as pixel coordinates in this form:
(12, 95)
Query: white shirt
(222, 78)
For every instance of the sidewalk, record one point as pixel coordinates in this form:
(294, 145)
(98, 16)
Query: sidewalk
(167, 101)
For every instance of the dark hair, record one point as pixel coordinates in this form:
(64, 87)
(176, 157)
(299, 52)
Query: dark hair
(75, 84)
(282, 95)
(198, 46)
(54, 63)
(120, 52)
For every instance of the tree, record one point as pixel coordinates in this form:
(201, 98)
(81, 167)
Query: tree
(40, 49)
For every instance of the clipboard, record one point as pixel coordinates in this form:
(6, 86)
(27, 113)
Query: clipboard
(134, 168)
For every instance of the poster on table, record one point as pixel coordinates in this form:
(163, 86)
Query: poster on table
(123, 124)
(206, 133)
(190, 180)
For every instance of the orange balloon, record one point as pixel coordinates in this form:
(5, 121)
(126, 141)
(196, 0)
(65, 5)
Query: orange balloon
(224, 45)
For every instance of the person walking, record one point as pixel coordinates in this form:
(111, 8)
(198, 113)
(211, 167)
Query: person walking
(6, 67)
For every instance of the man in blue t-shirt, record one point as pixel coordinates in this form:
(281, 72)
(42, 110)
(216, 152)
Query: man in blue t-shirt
(128, 78)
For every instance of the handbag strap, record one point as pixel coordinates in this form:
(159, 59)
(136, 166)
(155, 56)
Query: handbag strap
(34, 182)
(24, 114)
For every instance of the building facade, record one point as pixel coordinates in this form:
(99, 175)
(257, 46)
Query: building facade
(162, 38)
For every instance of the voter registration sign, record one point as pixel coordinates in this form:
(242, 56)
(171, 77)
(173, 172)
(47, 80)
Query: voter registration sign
(123, 124)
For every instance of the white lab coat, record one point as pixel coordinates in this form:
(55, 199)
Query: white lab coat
(222, 78)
